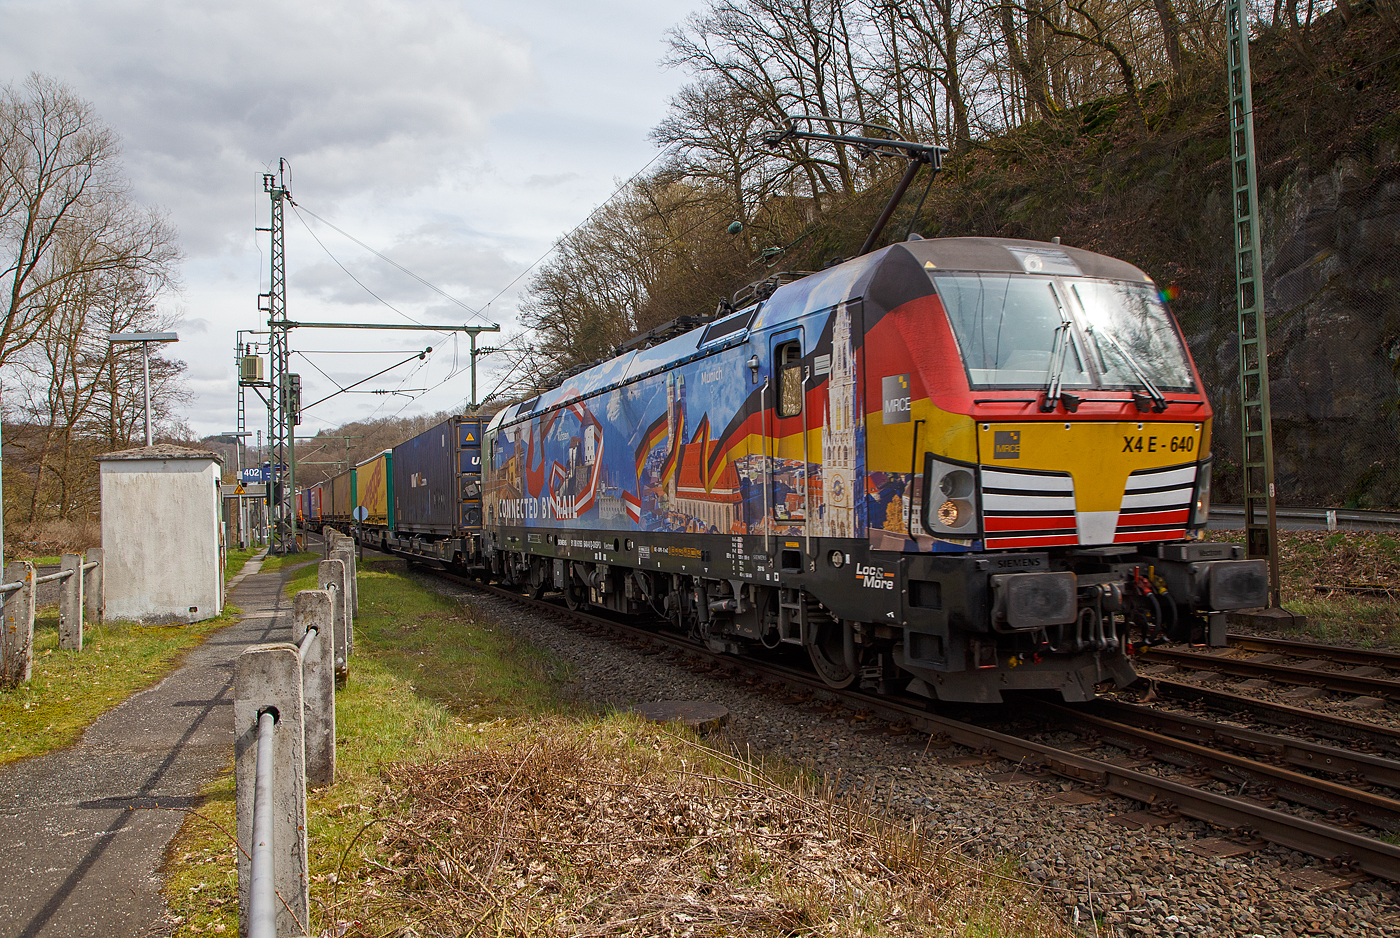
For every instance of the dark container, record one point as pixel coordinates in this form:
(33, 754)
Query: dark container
(425, 482)
(338, 497)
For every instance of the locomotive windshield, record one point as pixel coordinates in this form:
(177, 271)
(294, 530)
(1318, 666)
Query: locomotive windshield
(1133, 314)
(1007, 327)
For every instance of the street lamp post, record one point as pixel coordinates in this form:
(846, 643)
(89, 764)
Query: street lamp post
(145, 338)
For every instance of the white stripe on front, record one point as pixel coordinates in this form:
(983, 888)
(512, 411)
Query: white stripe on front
(991, 479)
(1096, 527)
(1177, 498)
(1186, 475)
(1064, 504)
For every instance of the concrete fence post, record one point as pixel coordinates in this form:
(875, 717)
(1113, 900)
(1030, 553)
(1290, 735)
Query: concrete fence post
(347, 556)
(70, 603)
(93, 606)
(330, 575)
(269, 677)
(17, 642)
(311, 609)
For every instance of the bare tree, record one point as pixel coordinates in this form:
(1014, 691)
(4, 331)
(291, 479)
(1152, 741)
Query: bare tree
(80, 395)
(66, 211)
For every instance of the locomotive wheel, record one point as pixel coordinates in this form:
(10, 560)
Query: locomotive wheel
(575, 596)
(824, 648)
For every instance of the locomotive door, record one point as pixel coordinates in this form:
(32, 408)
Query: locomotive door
(787, 443)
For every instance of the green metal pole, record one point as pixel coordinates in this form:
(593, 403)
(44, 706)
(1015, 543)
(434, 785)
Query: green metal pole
(1257, 453)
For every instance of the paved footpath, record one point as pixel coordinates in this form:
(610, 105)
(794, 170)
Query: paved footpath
(83, 831)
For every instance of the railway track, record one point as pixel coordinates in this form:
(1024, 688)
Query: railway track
(1360, 672)
(1357, 735)
(1235, 778)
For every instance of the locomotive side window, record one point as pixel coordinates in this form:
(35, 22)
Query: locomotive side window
(789, 357)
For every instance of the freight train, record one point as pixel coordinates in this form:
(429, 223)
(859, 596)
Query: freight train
(949, 467)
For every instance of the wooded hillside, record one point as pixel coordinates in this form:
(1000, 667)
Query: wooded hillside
(1099, 121)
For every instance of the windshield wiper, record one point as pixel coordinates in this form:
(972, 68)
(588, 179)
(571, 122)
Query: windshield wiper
(1154, 399)
(1058, 348)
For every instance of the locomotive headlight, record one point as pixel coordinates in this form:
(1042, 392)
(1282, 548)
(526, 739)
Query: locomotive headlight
(956, 484)
(950, 498)
(954, 513)
(1200, 508)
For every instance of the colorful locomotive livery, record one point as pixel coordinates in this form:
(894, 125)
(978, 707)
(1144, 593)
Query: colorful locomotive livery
(947, 468)
(950, 466)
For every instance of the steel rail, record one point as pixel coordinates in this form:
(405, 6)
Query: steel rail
(1286, 674)
(1279, 749)
(262, 893)
(1295, 720)
(1311, 837)
(1281, 646)
(1376, 811)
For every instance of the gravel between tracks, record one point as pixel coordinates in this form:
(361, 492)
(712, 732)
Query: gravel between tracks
(1134, 882)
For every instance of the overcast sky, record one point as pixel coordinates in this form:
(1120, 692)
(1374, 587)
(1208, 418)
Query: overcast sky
(460, 139)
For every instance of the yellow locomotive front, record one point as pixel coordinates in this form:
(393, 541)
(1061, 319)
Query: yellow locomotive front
(1055, 438)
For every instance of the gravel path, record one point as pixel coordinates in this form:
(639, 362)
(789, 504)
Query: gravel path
(1110, 879)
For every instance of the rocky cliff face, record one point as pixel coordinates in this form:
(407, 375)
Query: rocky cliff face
(1332, 282)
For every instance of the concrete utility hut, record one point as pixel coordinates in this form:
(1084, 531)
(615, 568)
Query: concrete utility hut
(161, 534)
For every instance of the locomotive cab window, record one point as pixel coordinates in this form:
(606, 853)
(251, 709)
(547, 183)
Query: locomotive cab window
(1016, 331)
(789, 359)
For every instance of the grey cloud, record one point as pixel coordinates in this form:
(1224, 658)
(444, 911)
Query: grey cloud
(549, 181)
(366, 94)
(462, 266)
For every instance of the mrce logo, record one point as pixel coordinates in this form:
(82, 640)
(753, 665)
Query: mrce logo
(873, 577)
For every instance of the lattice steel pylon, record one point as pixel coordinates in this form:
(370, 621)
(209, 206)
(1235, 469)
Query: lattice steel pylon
(1257, 453)
(281, 487)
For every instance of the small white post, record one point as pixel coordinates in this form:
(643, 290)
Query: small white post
(93, 604)
(17, 642)
(311, 609)
(268, 677)
(70, 603)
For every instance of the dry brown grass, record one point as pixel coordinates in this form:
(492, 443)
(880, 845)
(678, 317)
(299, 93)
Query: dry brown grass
(1347, 583)
(561, 827)
(51, 538)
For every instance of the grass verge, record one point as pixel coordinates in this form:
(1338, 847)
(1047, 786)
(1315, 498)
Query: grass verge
(1347, 584)
(70, 689)
(278, 561)
(471, 799)
(235, 560)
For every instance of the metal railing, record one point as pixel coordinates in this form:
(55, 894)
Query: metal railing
(1311, 519)
(262, 902)
(81, 594)
(284, 709)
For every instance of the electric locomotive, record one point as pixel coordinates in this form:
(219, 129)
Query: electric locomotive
(949, 467)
